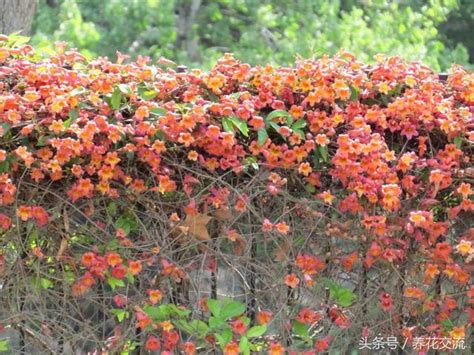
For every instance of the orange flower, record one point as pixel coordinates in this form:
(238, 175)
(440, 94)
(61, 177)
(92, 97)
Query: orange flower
(282, 227)
(257, 122)
(267, 225)
(391, 193)
(189, 348)
(142, 112)
(384, 87)
(292, 280)
(113, 259)
(155, 296)
(276, 349)
(341, 89)
(321, 345)
(24, 212)
(305, 169)
(464, 189)
(193, 155)
(87, 259)
(410, 81)
(457, 333)
(239, 327)
(152, 343)
(414, 292)
(134, 267)
(231, 348)
(186, 139)
(417, 218)
(322, 140)
(264, 317)
(296, 111)
(327, 197)
(56, 126)
(464, 247)
(213, 132)
(431, 271)
(112, 159)
(305, 85)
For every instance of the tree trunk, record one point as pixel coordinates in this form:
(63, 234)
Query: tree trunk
(187, 11)
(16, 15)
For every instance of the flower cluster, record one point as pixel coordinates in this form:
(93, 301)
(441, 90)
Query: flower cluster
(383, 150)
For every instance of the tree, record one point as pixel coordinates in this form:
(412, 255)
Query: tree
(198, 32)
(16, 15)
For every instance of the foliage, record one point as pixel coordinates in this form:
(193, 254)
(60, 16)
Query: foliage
(339, 193)
(270, 31)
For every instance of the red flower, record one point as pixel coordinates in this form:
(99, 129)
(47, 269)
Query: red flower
(119, 272)
(239, 327)
(152, 343)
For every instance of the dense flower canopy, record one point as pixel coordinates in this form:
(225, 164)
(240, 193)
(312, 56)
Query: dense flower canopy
(370, 164)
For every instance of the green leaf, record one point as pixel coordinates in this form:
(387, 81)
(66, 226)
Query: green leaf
(256, 331)
(252, 161)
(300, 329)
(184, 326)
(146, 93)
(199, 327)
(354, 93)
(458, 141)
(113, 283)
(16, 40)
(165, 311)
(116, 99)
(42, 141)
(4, 345)
(45, 283)
(244, 345)
(130, 278)
(279, 113)
(121, 314)
(5, 128)
(448, 324)
(215, 307)
(262, 136)
(112, 208)
(299, 124)
(246, 320)
(345, 297)
(216, 323)
(156, 313)
(227, 124)
(78, 91)
(274, 126)
(241, 125)
(172, 309)
(224, 337)
(127, 223)
(125, 89)
(194, 328)
(158, 111)
(323, 152)
(299, 132)
(232, 309)
(73, 115)
(342, 295)
(69, 276)
(4, 166)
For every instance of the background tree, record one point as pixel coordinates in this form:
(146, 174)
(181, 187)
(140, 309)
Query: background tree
(16, 15)
(197, 32)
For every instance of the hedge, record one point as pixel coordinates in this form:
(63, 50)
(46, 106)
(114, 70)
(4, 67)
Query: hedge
(336, 194)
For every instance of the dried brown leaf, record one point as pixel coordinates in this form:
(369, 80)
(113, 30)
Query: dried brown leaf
(196, 225)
